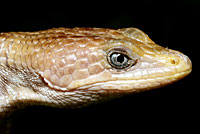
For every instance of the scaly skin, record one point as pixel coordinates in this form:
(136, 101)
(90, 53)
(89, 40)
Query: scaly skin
(70, 67)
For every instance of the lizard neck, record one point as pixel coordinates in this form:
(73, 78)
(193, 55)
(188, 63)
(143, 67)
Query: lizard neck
(16, 87)
(5, 91)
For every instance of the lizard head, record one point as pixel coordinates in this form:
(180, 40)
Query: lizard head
(136, 63)
(125, 59)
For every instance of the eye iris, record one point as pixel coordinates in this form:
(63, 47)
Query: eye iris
(119, 60)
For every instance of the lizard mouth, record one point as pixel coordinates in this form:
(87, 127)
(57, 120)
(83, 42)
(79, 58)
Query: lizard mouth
(145, 84)
(138, 84)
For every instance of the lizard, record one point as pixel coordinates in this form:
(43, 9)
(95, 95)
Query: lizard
(76, 67)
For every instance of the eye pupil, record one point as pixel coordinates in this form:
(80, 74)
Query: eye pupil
(120, 58)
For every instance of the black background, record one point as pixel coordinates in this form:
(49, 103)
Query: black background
(172, 24)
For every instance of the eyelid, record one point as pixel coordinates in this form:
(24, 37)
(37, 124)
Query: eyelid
(120, 50)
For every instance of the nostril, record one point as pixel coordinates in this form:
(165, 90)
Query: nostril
(174, 61)
(180, 61)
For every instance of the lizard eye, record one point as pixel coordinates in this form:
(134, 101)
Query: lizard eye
(119, 60)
